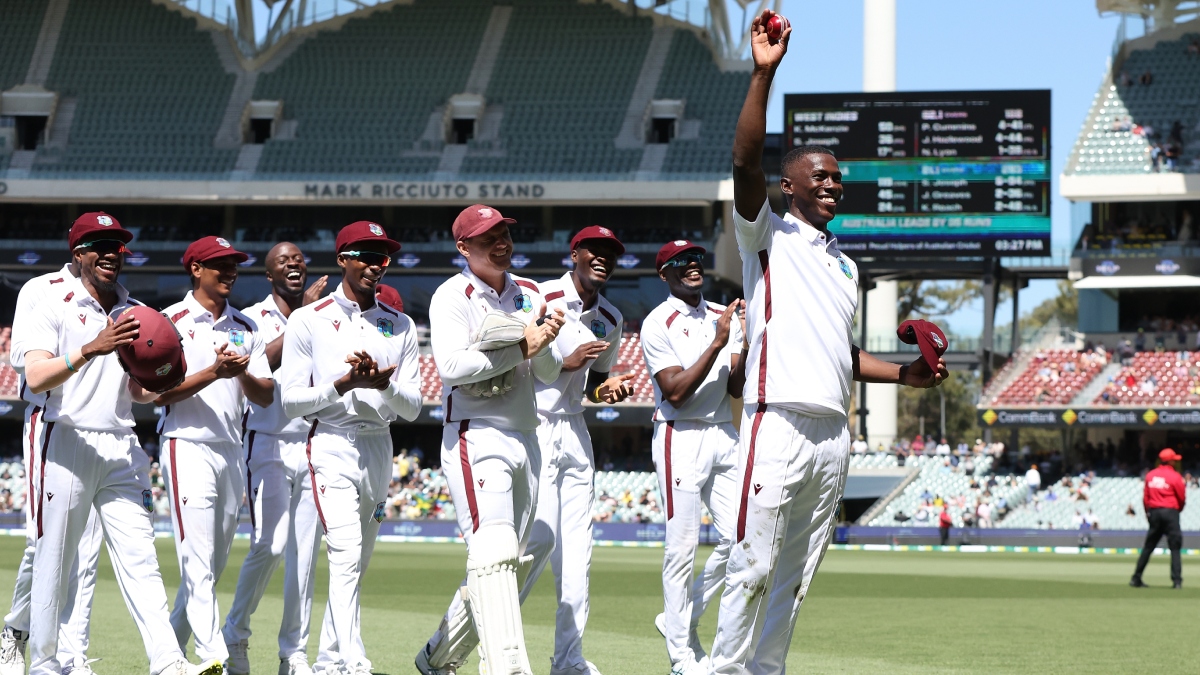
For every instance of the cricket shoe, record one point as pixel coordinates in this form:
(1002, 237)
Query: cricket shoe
(688, 667)
(1137, 583)
(239, 658)
(422, 664)
(182, 667)
(12, 651)
(296, 665)
(586, 668)
(84, 668)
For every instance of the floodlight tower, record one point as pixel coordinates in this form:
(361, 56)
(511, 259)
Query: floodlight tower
(879, 74)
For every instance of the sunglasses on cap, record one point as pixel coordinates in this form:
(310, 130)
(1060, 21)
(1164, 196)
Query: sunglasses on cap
(104, 246)
(371, 258)
(684, 260)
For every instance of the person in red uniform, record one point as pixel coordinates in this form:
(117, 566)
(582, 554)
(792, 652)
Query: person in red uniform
(1164, 497)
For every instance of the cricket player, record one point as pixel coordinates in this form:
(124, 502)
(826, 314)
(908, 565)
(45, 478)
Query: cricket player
(695, 351)
(801, 295)
(591, 334)
(282, 511)
(490, 452)
(73, 628)
(350, 367)
(201, 427)
(89, 453)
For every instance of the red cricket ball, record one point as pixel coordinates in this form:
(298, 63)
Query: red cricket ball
(775, 27)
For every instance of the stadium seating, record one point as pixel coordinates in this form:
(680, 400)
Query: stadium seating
(1114, 138)
(937, 479)
(626, 489)
(150, 90)
(362, 94)
(20, 21)
(1109, 499)
(1156, 378)
(711, 97)
(1048, 379)
(565, 75)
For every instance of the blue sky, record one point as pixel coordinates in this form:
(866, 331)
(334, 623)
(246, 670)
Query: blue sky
(1061, 45)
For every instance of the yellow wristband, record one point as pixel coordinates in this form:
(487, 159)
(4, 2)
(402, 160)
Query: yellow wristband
(596, 393)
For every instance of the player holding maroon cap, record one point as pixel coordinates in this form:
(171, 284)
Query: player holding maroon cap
(350, 367)
(201, 426)
(73, 635)
(282, 511)
(1163, 497)
(90, 455)
(795, 442)
(591, 335)
(694, 350)
(490, 346)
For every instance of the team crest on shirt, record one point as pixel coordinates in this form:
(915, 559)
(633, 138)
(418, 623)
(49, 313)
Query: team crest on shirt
(148, 501)
(237, 337)
(385, 327)
(523, 303)
(845, 268)
(379, 512)
(598, 328)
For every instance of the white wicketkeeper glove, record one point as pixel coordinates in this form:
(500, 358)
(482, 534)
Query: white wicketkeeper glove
(498, 330)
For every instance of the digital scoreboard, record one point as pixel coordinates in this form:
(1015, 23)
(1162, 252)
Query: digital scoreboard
(954, 173)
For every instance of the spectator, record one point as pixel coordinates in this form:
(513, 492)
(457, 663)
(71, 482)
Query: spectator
(1033, 480)
(983, 511)
(943, 448)
(1146, 79)
(1125, 79)
(859, 446)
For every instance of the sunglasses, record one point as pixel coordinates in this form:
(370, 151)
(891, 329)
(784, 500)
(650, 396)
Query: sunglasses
(685, 260)
(105, 246)
(370, 258)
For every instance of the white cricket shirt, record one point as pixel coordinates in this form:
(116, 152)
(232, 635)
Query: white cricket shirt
(271, 420)
(677, 334)
(30, 296)
(97, 397)
(801, 296)
(214, 414)
(320, 336)
(602, 322)
(455, 313)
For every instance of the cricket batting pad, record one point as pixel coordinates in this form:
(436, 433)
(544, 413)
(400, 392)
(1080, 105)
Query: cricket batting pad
(492, 560)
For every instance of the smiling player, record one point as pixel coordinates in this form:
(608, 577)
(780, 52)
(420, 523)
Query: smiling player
(801, 296)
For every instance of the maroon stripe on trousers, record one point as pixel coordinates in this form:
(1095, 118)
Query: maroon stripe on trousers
(42, 479)
(250, 476)
(29, 458)
(764, 262)
(667, 461)
(468, 477)
(748, 472)
(175, 490)
(312, 474)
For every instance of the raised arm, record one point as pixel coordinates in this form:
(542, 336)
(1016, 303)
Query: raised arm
(917, 374)
(749, 181)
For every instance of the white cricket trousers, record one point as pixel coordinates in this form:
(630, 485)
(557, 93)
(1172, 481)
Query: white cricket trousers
(284, 517)
(349, 472)
(696, 463)
(206, 484)
(73, 624)
(107, 470)
(493, 478)
(562, 529)
(793, 473)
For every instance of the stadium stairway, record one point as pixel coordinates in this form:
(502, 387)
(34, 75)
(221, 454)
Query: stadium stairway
(20, 22)
(47, 42)
(1096, 386)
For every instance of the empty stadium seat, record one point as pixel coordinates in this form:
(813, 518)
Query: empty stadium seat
(1156, 378)
(1048, 381)
(20, 21)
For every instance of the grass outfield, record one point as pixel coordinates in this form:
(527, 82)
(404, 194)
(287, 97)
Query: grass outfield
(867, 612)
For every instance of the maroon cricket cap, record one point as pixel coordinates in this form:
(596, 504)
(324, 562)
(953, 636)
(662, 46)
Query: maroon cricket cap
(93, 222)
(674, 248)
(1169, 455)
(477, 219)
(927, 336)
(597, 233)
(155, 358)
(211, 248)
(364, 230)
(389, 296)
